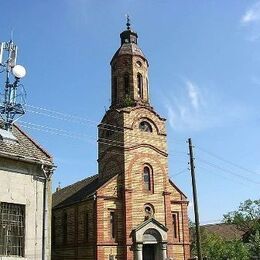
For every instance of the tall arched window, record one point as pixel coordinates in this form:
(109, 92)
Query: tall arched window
(87, 227)
(65, 227)
(147, 89)
(115, 90)
(53, 230)
(147, 178)
(140, 85)
(126, 84)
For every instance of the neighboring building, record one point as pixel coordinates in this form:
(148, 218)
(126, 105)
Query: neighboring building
(224, 230)
(25, 197)
(130, 210)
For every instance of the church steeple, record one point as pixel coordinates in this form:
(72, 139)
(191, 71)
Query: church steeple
(129, 72)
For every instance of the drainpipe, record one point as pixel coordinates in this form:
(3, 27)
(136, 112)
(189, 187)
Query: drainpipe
(47, 172)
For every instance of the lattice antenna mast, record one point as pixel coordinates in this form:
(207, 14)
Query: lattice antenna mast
(10, 107)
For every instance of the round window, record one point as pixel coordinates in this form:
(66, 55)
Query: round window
(145, 127)
(139, 64)
(148, 211)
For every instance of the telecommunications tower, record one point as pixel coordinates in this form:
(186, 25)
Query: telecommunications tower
(13, 96)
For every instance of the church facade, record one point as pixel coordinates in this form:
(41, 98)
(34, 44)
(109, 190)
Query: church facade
(130, 210)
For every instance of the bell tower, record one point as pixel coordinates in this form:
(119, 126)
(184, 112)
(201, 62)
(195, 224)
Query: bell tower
(129, 73)
(133, 166)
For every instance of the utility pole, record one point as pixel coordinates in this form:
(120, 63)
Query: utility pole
(195, 200)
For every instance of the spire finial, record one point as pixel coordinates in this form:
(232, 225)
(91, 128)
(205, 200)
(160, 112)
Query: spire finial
(128, 24)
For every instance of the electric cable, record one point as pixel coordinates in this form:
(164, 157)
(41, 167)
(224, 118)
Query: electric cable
(228, 171)
(68, 117)
(227, 161)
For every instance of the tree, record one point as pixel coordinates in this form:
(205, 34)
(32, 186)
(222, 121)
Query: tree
(254, 245)
(246, 218)
(215, 247)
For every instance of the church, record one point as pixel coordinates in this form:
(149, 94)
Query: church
(130, 210)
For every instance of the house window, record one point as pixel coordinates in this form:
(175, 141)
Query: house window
(112, 225)
(147, 87)
(12, 226)
(115, 88)
(145, 127)
(140, 85)
(175, 223)
(126, 84)
(87, 227)
(148, 211)
(53, 231)
(147, 178)
(65, 227)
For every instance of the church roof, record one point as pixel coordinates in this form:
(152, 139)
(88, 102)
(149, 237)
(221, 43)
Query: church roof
(75, 192)
(157, 223)
(129, 49)
(17, 145)
(226, 231)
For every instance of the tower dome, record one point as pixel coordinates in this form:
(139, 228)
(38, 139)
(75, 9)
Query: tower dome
(129, 69)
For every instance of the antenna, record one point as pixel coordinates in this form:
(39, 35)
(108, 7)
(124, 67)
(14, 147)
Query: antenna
(12, 34)
(10, 107)
(1, 52)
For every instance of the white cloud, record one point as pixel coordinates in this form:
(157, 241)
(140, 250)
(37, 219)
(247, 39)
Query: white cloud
(252, 14)
(195, 108)
(194, 94)
(251, 20)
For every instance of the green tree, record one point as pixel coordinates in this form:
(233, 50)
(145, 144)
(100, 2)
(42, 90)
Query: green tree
(214, 247)
(246, 218)
(254, 245)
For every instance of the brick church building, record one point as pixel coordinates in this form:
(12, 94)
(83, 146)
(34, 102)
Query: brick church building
(130, 210)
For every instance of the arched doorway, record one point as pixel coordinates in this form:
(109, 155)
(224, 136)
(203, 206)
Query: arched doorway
(149, 251)
(150, 241)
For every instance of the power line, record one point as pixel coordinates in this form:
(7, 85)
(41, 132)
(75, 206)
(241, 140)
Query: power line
(228, 171)
(229, 162)
(81, 120)
(180, 172)
(224, 176)
(62, 132)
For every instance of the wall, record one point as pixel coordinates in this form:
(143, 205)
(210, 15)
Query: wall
(20, 185)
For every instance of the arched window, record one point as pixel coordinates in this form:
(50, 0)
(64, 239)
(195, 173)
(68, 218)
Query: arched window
(115, 90)
(147, 88)
(145, 127)
(126, 84)
(147, 178)
(87, 226)
(53, 231)
(65, 227)
(148, 211)
(140, 85)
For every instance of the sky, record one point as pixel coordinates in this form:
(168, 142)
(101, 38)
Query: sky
(204, 76)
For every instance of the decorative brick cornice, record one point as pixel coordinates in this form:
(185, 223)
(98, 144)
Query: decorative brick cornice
(179, 202)
(166, 193)
(146, 146)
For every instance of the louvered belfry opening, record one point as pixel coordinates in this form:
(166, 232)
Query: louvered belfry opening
(12, 219)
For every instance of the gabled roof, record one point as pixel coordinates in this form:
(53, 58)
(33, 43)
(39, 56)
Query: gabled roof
(22, 147)
(226, 231)
(75, 192)
(174, 186)
(157, 223)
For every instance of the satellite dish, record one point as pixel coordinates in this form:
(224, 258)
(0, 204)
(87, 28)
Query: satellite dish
(19, 71)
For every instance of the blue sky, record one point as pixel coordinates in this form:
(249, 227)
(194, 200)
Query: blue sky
(204, 78)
